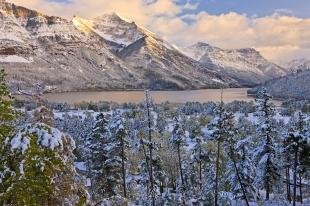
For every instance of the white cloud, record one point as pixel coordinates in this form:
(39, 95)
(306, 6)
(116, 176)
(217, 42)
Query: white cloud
(279, 37)
(190, 6)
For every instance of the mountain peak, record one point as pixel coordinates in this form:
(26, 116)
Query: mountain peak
(248, 50)
(113, 17)
(200, 43)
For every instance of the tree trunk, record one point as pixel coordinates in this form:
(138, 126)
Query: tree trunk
(180, 165)
(267, 181)
(217, 174)
(288, 186)
(150, 150)
(239, 178)
(146, 162)
(200, 169)
(300, 187)
(295, 176)
(123, 167)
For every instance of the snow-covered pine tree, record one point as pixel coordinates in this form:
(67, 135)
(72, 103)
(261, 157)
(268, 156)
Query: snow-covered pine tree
(96, 144)
(218, 135)
(304, 159)
(231, 136)
(40, 161)
(147, 146)
(225, 134)
(265, 153)
(246, 168)
(178, 140)
(199, 159)
(79, 128)
(115, 149)
(297, 145)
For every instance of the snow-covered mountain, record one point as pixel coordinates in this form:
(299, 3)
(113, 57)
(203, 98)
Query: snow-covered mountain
(107, 52)
(297, 65)
(246, 65)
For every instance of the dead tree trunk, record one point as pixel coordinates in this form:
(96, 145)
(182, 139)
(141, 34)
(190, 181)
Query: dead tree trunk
(295, 176)
(217, 167)
(200, 169)
(150, 144)
(288, 187)
(123, 167)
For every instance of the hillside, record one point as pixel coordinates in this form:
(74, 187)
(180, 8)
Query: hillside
(297, 65)
(295, 86)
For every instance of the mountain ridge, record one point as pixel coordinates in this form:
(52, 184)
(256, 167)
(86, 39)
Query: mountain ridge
(246, 65)
(110, 52)
(105, 53)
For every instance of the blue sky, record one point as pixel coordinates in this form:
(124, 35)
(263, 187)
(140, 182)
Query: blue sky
(300, 8)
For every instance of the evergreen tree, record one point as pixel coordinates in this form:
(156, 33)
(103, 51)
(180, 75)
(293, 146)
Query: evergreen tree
(246, 169)
(147, 146)
(96, 144)
(218, 135)
(115, 149)
(79, 128)
(225, 134)
(231, 138)
(40, 168)
(265, 153)
(7, 115)
(199, 159)
(178, 141)
(297, 146)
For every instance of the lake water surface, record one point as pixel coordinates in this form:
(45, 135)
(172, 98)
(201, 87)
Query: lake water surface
(204, 95)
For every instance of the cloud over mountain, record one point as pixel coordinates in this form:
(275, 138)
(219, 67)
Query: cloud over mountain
(279, 36)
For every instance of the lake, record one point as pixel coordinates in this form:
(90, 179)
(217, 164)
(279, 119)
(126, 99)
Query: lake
(204, 95)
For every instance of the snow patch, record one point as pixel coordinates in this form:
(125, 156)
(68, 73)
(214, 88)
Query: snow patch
(218, 81)
(14, 59)
(81, 166)
(10, 36)
(48, 137)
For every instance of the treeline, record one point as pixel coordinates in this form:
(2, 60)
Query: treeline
(146, 154)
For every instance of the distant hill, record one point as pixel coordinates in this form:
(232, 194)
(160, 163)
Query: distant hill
(245, 65)
(295, 85)
(297, 65)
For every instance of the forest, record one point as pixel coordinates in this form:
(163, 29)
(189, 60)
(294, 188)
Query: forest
(213, 153)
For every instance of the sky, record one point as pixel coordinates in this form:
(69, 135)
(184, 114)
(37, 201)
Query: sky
(279, 29)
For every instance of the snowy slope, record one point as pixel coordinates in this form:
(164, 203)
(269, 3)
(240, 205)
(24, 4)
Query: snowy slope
(142, 49)
(246, 65)
(107, 52)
